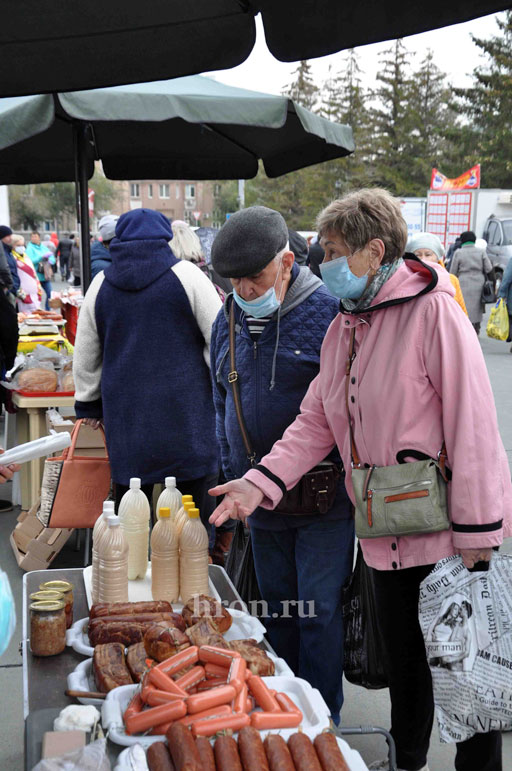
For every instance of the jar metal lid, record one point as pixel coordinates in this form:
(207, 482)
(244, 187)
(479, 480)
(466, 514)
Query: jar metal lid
(47, 594)
(47, 605)
(60, 586)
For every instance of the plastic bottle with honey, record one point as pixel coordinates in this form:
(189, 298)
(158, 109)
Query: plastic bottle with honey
(193, 542)
(113, 563)
(99, 528)
(170, 497)
(165, 559)
(182, 515)
(134, 515)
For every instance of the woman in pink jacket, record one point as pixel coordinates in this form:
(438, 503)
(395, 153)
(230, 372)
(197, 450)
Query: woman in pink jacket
(417, 380)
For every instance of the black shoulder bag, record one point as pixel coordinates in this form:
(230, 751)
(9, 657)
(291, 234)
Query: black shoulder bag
(315, 492)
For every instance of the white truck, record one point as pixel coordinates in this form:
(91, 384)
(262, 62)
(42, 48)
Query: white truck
(488, 213)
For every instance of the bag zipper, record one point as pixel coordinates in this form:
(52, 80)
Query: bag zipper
(402, 487)
(369, 508)
(406, 496)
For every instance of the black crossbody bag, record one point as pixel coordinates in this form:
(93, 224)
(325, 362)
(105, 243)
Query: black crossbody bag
(315, 492)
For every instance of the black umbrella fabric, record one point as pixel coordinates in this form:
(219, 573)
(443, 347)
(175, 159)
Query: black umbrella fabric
(61, 45)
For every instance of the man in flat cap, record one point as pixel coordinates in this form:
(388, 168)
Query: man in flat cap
(280, 316)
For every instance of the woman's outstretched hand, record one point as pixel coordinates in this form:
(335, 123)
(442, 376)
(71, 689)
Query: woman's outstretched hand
(241, 497)
(471, 556)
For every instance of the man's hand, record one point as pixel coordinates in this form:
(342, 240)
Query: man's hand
(7, 472)
(471, 556)
(241, 497)
(92, 422)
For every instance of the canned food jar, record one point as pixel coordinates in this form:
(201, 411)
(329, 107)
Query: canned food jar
(67, 590)
(46, 594)
(47, 627)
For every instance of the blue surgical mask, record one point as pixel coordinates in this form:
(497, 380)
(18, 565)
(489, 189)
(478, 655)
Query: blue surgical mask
(340, 281)
(261, 307)
(7, 612)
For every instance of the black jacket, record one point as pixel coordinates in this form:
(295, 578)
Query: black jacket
(64, 248)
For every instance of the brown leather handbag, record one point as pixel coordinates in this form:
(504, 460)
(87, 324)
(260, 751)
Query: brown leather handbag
(315, 492)
(74, 487)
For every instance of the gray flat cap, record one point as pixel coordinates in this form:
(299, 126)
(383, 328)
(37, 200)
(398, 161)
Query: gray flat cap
(248, 241)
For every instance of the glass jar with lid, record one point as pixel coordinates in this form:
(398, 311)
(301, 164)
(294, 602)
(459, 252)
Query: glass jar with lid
(46, 594)
(47, 627)
(66, 588)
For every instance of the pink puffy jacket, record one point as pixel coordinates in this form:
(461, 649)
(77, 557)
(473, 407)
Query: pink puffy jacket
(419, 377)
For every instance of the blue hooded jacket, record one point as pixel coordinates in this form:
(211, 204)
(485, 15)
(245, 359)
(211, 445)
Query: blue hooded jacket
(274, 375)
(100, 258)
(156, 396)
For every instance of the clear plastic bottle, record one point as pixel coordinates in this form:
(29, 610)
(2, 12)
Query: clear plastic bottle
(193, 557)
(170, 497)
(113, 563)
(100, 527)
(182, 515)
(165, 559)
(134, 515)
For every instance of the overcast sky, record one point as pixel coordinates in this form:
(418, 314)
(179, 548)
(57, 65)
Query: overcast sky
(454, 52)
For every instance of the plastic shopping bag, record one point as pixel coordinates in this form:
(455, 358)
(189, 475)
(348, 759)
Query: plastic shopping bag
(466, 620)
(497, 326)
(92, 757)
(363, 659)
(7, 612)
(240, 565)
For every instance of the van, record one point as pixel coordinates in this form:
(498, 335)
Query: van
(498, 234)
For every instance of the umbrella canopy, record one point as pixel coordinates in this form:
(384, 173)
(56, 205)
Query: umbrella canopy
(75, 45)
(187, 128)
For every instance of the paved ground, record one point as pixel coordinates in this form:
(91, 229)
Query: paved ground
(361, 707)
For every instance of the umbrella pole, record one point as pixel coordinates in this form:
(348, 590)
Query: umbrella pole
(82, 183)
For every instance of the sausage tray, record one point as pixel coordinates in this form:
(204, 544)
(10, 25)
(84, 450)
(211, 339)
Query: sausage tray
(352, 757)
(308, 699)
(82, 678)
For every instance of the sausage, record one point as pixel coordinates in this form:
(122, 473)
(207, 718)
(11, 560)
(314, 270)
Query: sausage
(179, 661)
(226, 754)
(210, 726)
(252, 752)
(141, 618)
(201, 701)
(183, 748)
(153, 697)
(206, 753)
(329, 754)
(129, 608)
(208, 685)
(261, 693)
(237, 672)
(193, 677)
(287, 705)
(303, 753)
(221, 711)
(164, 683)
(134, 707)
(209, 654)
(278, 754)
(240, 700)
(249, 704)
(216, 671)
(264, 721)
(152, 717)
(159, 758)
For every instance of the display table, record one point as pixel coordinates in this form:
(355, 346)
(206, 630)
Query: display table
(45, 679)
(57, 342)
(31, 424)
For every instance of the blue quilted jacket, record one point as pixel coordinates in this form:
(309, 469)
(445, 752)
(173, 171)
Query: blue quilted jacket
(274, 375)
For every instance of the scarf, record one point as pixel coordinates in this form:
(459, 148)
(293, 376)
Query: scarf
(373, 288)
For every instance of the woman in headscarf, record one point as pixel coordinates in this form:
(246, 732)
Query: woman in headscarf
(427, 246)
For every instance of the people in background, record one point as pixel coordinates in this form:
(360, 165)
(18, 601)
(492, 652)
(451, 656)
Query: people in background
(75, 262)
(30, 292)
(505, 291)
(472, 267)
(42, 261)
(299, 247)
(187, 246)
(427, 246)
(100, 250)
(8, 276)
(48, 243)
(64, 253)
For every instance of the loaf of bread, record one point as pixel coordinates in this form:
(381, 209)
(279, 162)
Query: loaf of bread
(67, 382)
(37, 379)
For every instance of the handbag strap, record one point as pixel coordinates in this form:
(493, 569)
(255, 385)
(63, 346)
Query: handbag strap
(233, 380)
(356, 463)
(69, 452)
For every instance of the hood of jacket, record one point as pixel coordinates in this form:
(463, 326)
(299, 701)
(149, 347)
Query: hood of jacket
(412, 279)
(303, 284)
(99, 252)
(140, 252)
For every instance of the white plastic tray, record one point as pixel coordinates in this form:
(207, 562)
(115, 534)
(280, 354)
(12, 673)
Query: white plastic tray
(82, 678)
(124, 762)
(308, 699)
(244, 626)
(352, 757)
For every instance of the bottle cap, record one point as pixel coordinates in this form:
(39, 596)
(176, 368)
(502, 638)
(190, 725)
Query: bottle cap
(189, 505)
(164, 512)
(109, 505)
(193, 513)
(113, 521)
(186, 498)
(170, 481)
(135, 483)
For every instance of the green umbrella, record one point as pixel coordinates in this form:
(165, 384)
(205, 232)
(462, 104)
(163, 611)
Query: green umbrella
(187, 128)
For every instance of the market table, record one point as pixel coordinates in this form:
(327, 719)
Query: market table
(45, 679)
(31, 424)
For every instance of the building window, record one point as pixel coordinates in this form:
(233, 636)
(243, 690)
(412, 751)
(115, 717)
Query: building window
(164, 191)
(134, 190)
(190, 191)
(150, 191)
(177, 191)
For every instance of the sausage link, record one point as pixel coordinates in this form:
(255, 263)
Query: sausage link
(303, 753)
(183, 748)
(252, 751)
(209, 726)
(330, 756)
(158, 757)
(278, 754)
(264, 699)
(205, 750)
(226, 754)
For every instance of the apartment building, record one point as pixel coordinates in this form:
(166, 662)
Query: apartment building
(192, 201)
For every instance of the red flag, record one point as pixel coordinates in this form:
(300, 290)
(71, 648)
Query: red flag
(470, 180)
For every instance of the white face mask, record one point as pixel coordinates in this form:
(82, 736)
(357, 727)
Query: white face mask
(20, 249)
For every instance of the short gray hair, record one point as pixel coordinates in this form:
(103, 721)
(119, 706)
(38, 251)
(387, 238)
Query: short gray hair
(365, 214)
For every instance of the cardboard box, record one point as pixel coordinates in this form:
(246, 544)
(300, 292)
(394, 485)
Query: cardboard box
(34, 546)
(87, 438)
